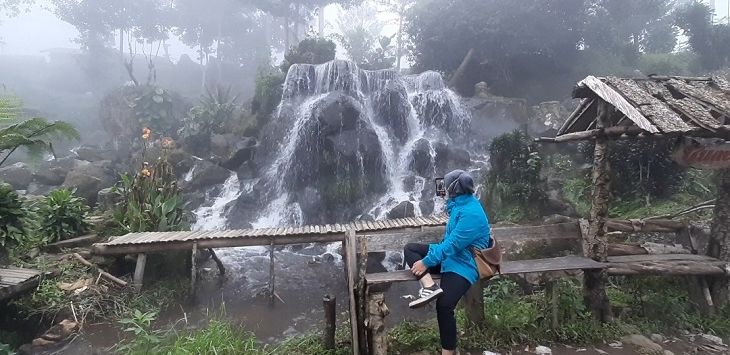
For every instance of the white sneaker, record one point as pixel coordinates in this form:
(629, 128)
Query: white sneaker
(426, 295)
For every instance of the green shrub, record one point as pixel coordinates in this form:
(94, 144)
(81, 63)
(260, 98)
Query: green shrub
(13, 217)
(62, 215)
(269, 88)
(215, 110)
(514, 188)
(313, 50)
(153, 107)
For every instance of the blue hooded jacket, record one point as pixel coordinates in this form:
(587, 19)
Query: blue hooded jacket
(468, 227)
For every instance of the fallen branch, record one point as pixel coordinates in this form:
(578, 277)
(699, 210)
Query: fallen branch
(107, 275)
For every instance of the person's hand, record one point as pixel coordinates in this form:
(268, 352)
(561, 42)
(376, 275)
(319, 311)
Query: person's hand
(418, 268)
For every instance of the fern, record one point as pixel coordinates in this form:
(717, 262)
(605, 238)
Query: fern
(34, 135)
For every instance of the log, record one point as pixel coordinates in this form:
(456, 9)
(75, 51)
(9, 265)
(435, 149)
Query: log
(665, 269)
(139, 271)
(221, 268)
(377, 311)
(474, 305)
(644, 225)
(625, 249)
(330, 321)
(107, 275)
(595, 242)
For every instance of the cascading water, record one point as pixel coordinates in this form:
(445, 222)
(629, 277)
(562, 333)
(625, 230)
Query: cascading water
(213, 217)
(346, 142)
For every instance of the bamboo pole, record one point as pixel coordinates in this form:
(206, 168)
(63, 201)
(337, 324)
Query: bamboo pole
(139, 271)
(107, 275)
(193, 268)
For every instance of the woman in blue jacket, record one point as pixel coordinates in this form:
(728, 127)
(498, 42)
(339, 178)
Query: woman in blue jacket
(468, 227)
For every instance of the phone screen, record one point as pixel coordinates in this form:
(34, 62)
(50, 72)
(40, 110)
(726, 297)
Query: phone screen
(440, 187)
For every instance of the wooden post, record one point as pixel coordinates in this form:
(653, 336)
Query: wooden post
(139, 271)
(351, 265)
(361, 292)
(719, 244)
(551, 293)
(272, 275)
(193, 268)
(221, 268)
(474, 304)
(595, 243)
(377, 310)
(330, 321)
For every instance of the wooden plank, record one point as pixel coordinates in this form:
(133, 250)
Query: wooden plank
(702, 92)
(694, 112)
(652, 108)
(577, 116)
(619, 102)
(563, 263)
(350, 256)
(659, 257)
(139, 271)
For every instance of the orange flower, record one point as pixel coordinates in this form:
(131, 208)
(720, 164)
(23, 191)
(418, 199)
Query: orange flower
(146, 133)
(145, 172)
(168, 143)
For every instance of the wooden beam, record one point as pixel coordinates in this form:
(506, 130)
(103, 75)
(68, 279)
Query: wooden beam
(351, 266)
(610, 96)
(218, 262)
(139, 271)
(272, 274)
(377, 311)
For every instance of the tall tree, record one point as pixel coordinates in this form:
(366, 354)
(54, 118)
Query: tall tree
(360, 33)
(710, 41)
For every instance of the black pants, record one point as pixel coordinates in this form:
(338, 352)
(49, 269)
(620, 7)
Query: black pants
(454, 286)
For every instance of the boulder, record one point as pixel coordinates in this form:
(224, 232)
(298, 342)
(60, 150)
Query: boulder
(449, 158)
(107, 199)
(404, 209)
(54, 172)
(643, 345)
(90, 178)
(338, 112)
(243, 151)
(206, 174)
(91, 153)
(392, 109)
(492, 116)
(18, 175)
(421, 161)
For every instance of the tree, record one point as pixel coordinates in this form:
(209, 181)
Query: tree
(401, 9)
(710, 41)
(35, 135)
(517, 45)
(360, 34)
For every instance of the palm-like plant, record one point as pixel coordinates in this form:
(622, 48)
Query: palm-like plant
(34, 134)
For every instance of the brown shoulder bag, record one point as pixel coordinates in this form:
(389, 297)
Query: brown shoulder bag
(488, 260)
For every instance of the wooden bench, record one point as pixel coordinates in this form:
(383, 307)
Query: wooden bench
(559, 246)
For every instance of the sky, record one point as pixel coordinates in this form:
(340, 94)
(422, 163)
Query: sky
(37, 30)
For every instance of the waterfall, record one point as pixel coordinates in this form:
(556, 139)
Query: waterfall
(344, 142)
(213, 217)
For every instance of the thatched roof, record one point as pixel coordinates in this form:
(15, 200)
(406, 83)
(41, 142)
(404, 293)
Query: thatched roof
(657, 105)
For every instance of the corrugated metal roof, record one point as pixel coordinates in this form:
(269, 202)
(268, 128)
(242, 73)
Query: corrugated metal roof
(657, 104)
(267, 233)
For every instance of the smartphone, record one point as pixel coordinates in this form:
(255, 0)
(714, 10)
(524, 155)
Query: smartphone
(440, 187)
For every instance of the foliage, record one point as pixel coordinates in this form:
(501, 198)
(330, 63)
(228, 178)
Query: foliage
(577, 192)
(6, 350)
(139, 326)
(514, 183)
(359, 34)
(681, 63)
(309, 51)
(216, 109)
(711, 41)
(13, 217)
(153, 108)
(34, 135)
(151, 200)
(62, 215)
(269, 88)
(528, 49)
